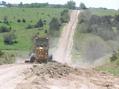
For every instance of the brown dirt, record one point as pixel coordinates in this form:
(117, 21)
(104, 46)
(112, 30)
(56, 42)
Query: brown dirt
(10, 75)
(58, 76)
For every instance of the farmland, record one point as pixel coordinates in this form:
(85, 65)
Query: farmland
(15, 17)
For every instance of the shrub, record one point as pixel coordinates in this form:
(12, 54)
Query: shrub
(5, 29)
(7, 58)
(5, 20)
(54, 24)
(54, 27)
(23, 20)
(18, 20)
(39, 24)
(65, 16)
(46, 31)
(114, 57)
(1, 53)
(9, 38)
(29, 26)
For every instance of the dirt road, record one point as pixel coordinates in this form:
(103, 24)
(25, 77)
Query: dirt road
(63, 51)
(10, 75)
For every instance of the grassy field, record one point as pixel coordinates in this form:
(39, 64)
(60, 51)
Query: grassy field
(103, 12)
(32, 16)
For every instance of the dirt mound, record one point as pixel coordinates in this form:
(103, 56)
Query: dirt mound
(54, 75)
(52, 70)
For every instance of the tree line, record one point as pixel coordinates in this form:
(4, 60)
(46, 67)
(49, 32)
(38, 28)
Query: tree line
(70, 4)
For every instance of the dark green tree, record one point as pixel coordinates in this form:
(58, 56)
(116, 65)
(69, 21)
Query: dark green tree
(54, 24)
(82, 6)
(71, 4)
(65, 16)
(3, 3)
(39, 24)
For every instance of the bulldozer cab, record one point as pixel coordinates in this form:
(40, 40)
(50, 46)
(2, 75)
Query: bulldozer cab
(41, 42)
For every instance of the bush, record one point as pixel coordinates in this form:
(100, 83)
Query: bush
(114, 57)
(18, 20)
(29, 26)
(39, 24)
(10, 38)
(65, 16)
(23, 20)
(46, 31)
(5, 29)
(5, 20)
(54, 24)
(7, 58)
(1, 53)
(54, 27)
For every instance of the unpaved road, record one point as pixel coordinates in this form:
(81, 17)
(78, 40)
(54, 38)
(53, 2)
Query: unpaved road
(26, 76)
(10, 75)
(62, 53)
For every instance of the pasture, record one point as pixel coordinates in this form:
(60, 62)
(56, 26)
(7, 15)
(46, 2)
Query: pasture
(15, 17)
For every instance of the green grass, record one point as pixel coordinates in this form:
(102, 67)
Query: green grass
(31, 15)
(109, 68)
(112, 66)
(103, 12)
(6, 58)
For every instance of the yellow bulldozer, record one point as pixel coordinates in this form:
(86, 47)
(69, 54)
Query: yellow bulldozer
(40, 51)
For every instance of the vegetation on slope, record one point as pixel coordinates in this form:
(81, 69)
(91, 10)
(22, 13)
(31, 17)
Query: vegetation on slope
(6, 58)
(96, 36)
(25, 22)
(112, 66)
(19, 25)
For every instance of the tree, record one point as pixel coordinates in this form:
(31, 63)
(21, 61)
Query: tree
(20, 4)
(3, 3)
(65, 16)
(39, 24)
(54, 27)
(54, 24)
(71, 4)
(82, 6)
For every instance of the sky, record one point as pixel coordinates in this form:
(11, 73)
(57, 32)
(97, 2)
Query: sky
(111, 4)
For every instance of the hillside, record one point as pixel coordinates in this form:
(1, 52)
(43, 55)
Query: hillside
(96, 37)
(21, 20)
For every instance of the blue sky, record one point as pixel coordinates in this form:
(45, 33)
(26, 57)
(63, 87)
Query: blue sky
(111, 4)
